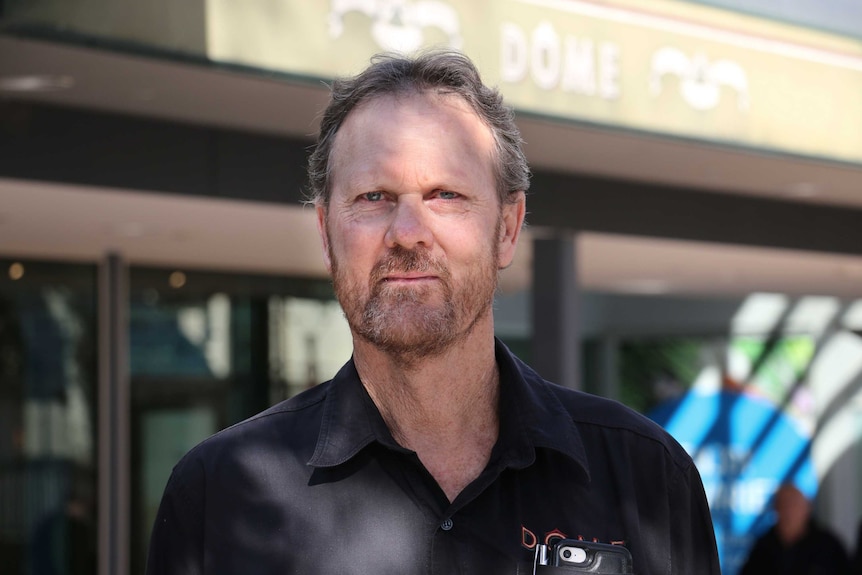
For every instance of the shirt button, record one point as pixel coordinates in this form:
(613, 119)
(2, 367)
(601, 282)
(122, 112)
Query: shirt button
(447, 525)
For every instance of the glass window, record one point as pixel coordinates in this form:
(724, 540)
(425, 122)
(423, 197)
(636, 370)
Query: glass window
(310, 342)
(47, 418)
(210, 349)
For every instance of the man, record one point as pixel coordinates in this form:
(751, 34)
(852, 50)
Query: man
(433, 450)
(796, 545)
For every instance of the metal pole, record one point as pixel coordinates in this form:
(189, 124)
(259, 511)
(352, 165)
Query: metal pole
(609, 374)
(556, 328)
(114, 410)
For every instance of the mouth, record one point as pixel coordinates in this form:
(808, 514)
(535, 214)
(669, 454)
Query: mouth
(408, 278)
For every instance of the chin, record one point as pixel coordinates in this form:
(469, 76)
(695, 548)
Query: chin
(402, 328)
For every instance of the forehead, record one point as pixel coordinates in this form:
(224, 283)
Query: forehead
(418, 129)
(790, 496)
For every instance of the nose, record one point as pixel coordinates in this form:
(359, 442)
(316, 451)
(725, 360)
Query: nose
(409, 227)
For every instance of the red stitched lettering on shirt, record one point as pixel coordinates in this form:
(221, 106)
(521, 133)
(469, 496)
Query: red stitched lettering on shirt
(555, 534)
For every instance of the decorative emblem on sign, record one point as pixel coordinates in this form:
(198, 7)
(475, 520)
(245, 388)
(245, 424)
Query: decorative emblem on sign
(700, 80)
(398, 25)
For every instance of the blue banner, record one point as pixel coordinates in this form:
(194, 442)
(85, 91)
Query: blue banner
(744, 447)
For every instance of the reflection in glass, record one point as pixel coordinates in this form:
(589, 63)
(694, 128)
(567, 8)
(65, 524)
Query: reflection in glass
(47, 419)
(211, 352)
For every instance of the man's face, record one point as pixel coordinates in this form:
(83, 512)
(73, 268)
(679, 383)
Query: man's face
(793, 510)
(414, 233)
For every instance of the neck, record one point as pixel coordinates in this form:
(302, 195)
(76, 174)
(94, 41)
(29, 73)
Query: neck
(445, 408)
(791, 534)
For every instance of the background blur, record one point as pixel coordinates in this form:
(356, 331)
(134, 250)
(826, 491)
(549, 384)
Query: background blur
(694, 246)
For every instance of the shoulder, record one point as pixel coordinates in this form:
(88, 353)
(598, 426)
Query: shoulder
(588, 409)
(291, 426)
(600, 423)
(300, 410)
(595, 414)
(827, 538)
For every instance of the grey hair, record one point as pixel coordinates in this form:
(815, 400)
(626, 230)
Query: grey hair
(443, 72)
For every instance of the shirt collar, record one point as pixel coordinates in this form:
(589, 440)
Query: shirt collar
(531, 417)
(350, 421)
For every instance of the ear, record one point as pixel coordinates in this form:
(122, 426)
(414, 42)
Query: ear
(510, 228)
(324, 235)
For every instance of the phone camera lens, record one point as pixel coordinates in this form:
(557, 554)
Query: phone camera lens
(572, 554)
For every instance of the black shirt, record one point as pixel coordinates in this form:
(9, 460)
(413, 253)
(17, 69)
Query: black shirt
(316, 484)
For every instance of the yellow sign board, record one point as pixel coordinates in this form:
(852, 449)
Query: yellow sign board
(668, 67)
(663, 66)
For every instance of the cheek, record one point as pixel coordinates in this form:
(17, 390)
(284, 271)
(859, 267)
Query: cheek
(354, 249)
(472, 249)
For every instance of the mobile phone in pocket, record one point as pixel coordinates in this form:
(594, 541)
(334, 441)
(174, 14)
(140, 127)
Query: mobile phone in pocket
(563, 556)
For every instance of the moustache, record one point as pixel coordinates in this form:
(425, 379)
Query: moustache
(400, 260)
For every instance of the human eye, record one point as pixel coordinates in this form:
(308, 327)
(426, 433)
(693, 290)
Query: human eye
(445, 201)
(447, 195)
(372, 196)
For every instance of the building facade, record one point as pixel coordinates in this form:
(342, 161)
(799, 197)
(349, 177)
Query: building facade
(695, 223)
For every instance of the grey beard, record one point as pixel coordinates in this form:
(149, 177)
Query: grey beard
(400, 321)
(431, 330)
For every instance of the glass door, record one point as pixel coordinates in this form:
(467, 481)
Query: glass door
(47, 418)
(208, 350)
